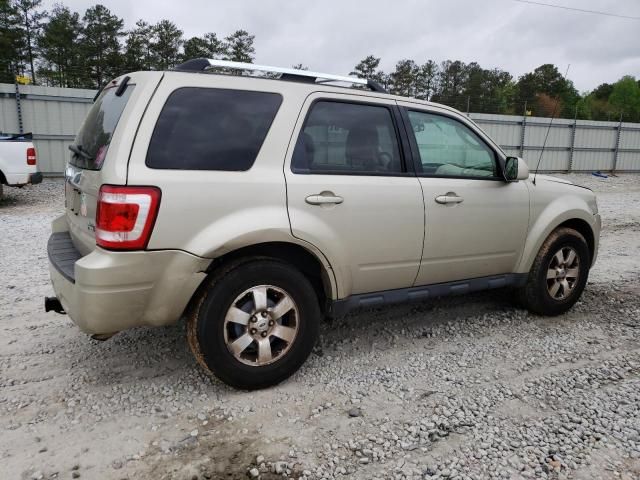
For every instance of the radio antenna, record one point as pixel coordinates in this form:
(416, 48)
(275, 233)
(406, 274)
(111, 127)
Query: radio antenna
(544, 144)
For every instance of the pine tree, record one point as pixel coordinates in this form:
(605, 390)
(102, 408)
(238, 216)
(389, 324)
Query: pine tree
(59, 50)
(11, 46)
(31, 25)
(100, 45)
(426, 80)
(167, 40)
(138, 51)
(208, 46)
(403, 79)
(239, 47)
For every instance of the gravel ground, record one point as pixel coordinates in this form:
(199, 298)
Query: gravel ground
(460, 388)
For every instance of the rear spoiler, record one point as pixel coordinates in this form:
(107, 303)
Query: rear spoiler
(17, 137)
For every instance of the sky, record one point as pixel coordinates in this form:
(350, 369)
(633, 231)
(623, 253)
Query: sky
(333, 36)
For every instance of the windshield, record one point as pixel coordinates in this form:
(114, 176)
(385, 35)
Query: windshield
(95, 134)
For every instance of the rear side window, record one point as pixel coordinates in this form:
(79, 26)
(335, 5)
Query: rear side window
(211, 129)
(348, 138)
(95, 134)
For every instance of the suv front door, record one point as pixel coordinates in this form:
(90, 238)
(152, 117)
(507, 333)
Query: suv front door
(350, 194)
(476, 223)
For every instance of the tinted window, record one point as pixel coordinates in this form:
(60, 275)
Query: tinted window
(447, 147)
(347, 138)
(98, 127)
(211, 129)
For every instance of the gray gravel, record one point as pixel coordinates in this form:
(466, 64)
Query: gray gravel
(458, 388)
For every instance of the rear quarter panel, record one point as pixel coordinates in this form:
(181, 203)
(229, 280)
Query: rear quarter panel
(209, 213)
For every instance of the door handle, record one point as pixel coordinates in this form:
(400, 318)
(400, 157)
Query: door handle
(321, 199)
(449, 198)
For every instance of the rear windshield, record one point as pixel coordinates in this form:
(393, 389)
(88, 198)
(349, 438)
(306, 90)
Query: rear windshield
(95, 134)
(211, 129)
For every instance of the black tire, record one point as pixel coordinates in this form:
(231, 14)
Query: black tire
(536, 294)
(206, 324)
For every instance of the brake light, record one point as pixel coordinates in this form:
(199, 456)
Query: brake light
(125, 216)
(31, 156)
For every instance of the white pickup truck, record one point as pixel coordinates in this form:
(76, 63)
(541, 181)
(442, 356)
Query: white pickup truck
(18, 164)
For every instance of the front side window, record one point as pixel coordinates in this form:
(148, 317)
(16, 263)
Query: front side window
(449, 148)
(211, 129)
(347, 138)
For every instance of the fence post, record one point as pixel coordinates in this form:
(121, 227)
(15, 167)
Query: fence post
(617, 150)
(18, 106)
(468, 103)
(524, 127)
(573, 139)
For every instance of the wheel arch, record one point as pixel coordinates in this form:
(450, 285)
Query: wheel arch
(578, 219)
(315, 268)
(584, 229)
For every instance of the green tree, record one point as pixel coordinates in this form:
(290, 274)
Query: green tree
(625, 98)
(497, 92)
(453, 78)
(547, 80)
(426, 81)
(239, 47)
(11, 46)
(166, 44)
(367, 67)
(32, 18)
(100, 45)
(58, 47)
(403, 78)
(207, 46)
(138, 53)
(603, 91)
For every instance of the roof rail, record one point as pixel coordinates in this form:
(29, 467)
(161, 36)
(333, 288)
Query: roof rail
(202, 64)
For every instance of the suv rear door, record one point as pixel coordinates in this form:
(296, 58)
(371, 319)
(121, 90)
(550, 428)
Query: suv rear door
(350, 194)
(101, 151)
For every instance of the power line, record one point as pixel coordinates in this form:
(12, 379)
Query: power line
(583, 10)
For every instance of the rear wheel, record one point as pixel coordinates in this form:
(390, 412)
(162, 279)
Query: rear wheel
(256, 323)
(558, 275)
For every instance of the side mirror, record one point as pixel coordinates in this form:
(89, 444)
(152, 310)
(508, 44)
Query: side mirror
(515, 169)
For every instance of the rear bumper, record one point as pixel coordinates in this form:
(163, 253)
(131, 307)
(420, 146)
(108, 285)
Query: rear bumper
(20, 179)
(106, 292)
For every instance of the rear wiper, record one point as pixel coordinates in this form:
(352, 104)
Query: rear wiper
(77, 149)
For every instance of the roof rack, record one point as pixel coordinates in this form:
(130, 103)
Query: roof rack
(202, 64)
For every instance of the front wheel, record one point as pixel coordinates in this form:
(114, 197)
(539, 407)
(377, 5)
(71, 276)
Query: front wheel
(256, 323)
(558, 275)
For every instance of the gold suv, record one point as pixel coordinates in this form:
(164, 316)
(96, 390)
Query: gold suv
(252, 206)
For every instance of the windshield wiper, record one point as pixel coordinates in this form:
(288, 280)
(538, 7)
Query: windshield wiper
(77, 150)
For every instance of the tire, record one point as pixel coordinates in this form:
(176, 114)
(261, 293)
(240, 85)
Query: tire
(555, 295)
(230, 313)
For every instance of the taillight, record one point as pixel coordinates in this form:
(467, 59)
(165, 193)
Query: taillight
(125, 216)
(31, 156)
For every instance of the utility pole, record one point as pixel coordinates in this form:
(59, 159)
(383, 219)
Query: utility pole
(18, 106)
